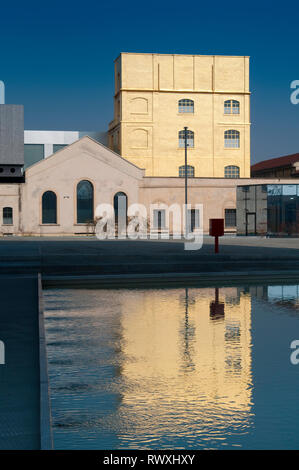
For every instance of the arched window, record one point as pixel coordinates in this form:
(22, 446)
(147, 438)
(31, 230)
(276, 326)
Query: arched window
(186, 106)
(49, 208)
(231, 107)
(190, 139)
(7, 216)
(232, 139)
(190, 171)
(120, 203)
(84, 202)
(232, 171)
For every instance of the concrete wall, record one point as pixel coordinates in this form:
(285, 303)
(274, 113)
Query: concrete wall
(11, 134)
(146, 118)
(10, 197)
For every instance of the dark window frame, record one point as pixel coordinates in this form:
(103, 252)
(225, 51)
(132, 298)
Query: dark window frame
(49, 208)
(7, 216)
(85, 213)
(190, 171)
(231, 171)
(186, 106)
(230, 218)
(190, 139)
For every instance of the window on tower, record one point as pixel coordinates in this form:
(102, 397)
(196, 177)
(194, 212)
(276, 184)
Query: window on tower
(231, 107)
(190, 139)
(186, 106)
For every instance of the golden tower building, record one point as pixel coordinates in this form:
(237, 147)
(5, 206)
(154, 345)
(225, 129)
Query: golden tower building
(157, 95)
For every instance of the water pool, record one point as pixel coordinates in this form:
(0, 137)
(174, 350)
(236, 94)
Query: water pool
(194, 368)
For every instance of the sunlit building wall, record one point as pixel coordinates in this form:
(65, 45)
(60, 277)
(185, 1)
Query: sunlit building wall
(157, 95)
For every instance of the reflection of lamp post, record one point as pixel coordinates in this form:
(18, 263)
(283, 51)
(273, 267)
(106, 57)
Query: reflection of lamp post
(188, 333)
(216, 308)
(186, 180)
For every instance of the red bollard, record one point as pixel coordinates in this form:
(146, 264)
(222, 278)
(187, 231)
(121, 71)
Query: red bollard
(216, 230)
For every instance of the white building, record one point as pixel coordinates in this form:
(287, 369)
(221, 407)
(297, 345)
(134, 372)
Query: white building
(41, 144)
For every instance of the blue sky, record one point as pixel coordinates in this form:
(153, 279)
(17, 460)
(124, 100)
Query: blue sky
(57, 57)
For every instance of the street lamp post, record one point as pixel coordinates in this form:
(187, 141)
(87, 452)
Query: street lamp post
(186, 180)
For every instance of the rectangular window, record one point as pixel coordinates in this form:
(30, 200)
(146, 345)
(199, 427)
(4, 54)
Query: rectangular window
(190, 171)
(57, 147)
(7, 216)
(159, 219)
(33, 153)
(193, 219)
(186, 106)
(230, 218)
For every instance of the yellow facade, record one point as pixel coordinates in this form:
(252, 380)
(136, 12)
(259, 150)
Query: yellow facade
(148, 118)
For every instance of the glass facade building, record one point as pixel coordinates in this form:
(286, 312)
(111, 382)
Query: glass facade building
(268, 209)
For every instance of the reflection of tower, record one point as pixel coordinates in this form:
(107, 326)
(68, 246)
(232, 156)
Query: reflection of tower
(197, 371)
(216, 307)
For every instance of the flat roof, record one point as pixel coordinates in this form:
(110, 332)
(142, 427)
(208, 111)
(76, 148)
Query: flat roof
(169, 54)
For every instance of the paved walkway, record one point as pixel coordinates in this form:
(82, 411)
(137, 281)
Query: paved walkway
(89, 256)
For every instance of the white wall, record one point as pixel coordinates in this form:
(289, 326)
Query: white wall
(49, 138)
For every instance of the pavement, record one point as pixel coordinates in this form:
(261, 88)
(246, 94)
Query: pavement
(56, 258)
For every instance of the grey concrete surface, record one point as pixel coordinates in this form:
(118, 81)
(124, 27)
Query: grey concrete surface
(89, 256)
(19, 376)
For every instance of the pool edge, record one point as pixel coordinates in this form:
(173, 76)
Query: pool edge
(167, 279)
(46, 437)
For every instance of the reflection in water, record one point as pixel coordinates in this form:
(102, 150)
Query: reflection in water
(281, 295)
(216, 307)
(150, 368)
(193, 381)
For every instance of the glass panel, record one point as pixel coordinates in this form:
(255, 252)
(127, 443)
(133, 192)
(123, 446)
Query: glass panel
(33, 153)
(193, 219)
(120, 202)
(186, 106)
(227, 107)
(159, 219)
(57, 147)
(49, 208)
(274, 189)
(289, 190)
(232, 171)
(190, 139)
(283, 210)
(84, 202)
(232, 139)
(230, 217)
(7, 216)
(190, 171)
